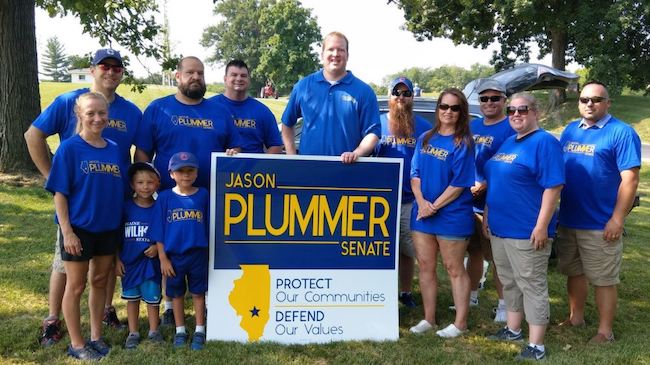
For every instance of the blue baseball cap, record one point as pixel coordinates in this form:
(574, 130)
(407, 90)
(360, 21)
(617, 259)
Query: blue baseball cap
(105, 53)
(401, 80)
(182, 159)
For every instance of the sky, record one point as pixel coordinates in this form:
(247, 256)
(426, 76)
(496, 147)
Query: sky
(378, 47)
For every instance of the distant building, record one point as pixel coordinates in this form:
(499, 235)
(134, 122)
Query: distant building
(80, 75)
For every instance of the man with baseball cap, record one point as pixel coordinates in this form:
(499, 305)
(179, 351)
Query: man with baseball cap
(400, 128)
(488, 132)
(59, 118)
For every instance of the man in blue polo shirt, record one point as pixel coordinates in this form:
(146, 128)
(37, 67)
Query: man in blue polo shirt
(254, 120)
(59, 118)
(602, 157)
(340, 112)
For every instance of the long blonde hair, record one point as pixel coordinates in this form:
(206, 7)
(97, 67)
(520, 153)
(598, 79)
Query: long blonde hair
(80, 99)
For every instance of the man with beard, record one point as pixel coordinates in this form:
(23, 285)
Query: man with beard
(340, 114)
(400, 129)
(59, 118)
(488, 132)
(254, 121)
(187, 122)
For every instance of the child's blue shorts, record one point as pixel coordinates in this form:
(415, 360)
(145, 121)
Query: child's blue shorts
(148, 291)
(193, 266)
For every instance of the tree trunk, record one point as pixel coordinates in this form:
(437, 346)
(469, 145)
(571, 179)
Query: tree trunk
(558, 58)
(19, 95)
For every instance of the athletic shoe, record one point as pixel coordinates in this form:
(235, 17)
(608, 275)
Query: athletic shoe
(406, 298)
(505, 334)
(84, 353)
(450, 331)
(198, 341)
(180, 339)
(500, 315)
(600, 339)
(110, 318)
(156, 337)
(51, 332)
(132, 341)
(422, 327)
(168, 318)
(531, 353)
(100, 346)
(472, 303)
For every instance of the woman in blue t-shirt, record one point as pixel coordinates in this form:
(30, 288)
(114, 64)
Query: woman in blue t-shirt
(87, 185)
(442, 171)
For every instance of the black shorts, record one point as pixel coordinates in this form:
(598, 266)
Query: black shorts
(93, 244)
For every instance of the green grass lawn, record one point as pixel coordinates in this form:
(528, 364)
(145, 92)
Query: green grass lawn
(26, 248)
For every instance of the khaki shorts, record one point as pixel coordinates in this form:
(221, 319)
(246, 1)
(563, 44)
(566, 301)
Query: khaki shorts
(57, 263)
(478, 240)
(405, 236)
(523, 272)
(586, 252)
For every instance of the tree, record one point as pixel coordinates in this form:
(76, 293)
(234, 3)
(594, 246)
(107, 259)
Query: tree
(129, 23)
(436, 80)
(55, 62)
(76, 62)
(610, 38)
(274, 38)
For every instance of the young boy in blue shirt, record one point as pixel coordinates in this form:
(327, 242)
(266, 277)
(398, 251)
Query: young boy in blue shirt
(137, 262)
(180, 229)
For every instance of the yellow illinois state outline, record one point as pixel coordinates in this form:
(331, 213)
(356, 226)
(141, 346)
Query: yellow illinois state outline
(251, 298)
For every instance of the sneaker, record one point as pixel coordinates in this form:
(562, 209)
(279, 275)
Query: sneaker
(132, 341)
(450, 331)
(421, 327)
(180, 339)
(406, 298)
(110, 318)
(500, 315)
(51, 332)
(505, 334)
(531, 353)
(168, 318)
(600, 339)
(156, 337)
(84, 353)
(472, 303)
(100, 346)
(198, 341)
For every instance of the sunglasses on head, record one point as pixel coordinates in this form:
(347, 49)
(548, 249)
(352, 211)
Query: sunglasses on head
(493, 98)
(523, 110)
(593, 99)
(454, 108)
(105, 67)
(404, 93)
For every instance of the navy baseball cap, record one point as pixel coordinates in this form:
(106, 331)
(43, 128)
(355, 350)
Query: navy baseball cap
(142, 166)
(401, 80)
(105, 53)
(491, 84)
(182, 159)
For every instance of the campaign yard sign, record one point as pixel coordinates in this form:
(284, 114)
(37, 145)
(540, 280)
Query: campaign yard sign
(303, 249)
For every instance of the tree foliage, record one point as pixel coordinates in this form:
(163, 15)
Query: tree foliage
(274, 38)
(79, 61)
(610, 38)
(438, 79)
(55, 62)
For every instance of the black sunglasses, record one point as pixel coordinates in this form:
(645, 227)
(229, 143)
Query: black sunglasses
(493, 98)
(454, 108)
(523, 110)
(105, 67)
(404, 93)
(593, 99)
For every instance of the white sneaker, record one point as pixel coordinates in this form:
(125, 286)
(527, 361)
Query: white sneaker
(421, 327)
(500, 315)
(472, 303)
(450, 331)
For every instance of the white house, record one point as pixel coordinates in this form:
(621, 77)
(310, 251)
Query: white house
(80, 75)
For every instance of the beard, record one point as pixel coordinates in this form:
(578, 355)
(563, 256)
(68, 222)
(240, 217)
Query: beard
(191, 91)
(400, 122)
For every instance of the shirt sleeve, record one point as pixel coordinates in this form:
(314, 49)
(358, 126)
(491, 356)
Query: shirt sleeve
(156, 227)
(415, 161)
(370, 115)
(271, 133)
(628, 150)
(60, 179)
(144, 136)
(292, 112)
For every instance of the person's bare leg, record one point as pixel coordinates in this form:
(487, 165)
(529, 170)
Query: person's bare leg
(98, 276)
(426, 248)
(453, 253)
(77, 272)
(606, 301)
(55, 294)
(577, 290)
(133, 314)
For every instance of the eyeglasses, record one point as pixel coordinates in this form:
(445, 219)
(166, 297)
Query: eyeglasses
(493, 98)
(593, 99)
(105, 67)
(523, 110)
(454, 108)
(404, 93)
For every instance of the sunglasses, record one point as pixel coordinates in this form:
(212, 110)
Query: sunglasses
(404, 93)
(105, 67)
(523, 110)
(454, 108)
(593, 99)
(493, 98)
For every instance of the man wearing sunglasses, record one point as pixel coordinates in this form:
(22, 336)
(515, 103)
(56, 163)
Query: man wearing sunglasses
(59, 118)
(602, 157)
(488, 132)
